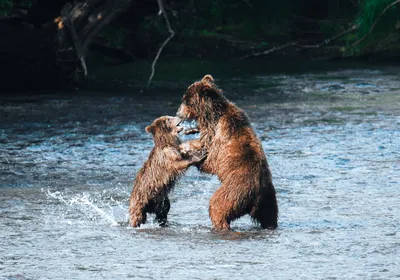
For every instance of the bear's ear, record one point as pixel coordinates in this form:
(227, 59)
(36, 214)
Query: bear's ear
(206, 88)
(208, 79)
(149, 129)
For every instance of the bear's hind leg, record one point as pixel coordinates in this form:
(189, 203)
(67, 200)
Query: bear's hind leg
(266, 211)
(137, 213)
(161, 210)
(219, 210)
(137, 218)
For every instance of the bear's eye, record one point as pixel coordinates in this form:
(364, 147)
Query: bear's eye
(187, 101)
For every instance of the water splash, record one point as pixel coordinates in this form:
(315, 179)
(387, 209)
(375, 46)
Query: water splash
(84, 199)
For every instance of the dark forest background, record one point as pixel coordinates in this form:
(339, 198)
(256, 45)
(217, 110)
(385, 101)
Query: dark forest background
(45, 43)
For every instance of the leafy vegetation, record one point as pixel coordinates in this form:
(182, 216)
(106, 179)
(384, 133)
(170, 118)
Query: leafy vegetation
(378, 21)
(266, 23)
(5, 6)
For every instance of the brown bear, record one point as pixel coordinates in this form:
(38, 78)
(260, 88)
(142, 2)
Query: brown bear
(234, 154)
(167, 161)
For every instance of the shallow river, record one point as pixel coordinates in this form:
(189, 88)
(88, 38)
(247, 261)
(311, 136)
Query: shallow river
(67, 162)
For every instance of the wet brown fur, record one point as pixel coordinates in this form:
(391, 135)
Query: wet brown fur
(156, 178)
(234, 154)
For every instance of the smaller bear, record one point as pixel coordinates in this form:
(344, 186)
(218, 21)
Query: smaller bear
(167, 161)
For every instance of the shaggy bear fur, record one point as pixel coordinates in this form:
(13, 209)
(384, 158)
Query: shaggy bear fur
(234, 153)
(156, 178)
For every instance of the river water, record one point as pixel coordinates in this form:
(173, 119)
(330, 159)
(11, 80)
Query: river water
(67, 162)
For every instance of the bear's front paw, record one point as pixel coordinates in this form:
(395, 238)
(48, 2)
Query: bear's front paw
(191, 131)
(185, 149)
(199, 156)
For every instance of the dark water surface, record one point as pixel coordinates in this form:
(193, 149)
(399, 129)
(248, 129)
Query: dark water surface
(67, 162)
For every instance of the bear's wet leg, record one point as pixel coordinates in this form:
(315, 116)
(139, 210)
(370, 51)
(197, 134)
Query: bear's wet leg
(266, 211)
(137, 212)
(161, 210)
(219, 211)
(138, 217)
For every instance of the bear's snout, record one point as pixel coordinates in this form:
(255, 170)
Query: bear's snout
(181, 113)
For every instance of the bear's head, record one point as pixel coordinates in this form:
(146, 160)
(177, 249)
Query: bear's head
(202, 101)
(165, 131)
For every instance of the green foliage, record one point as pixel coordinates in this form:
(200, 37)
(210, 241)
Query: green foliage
(5, 6)
(348, 40)
(244, 18)
(276, 22)
(370, 14)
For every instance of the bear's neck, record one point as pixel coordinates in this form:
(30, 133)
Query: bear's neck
(208, 122)
(213, 114)
(163, 141)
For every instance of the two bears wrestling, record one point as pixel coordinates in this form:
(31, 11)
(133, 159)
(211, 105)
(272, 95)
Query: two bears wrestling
(227, 147)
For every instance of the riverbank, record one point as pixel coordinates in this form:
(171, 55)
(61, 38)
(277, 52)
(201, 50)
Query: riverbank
(176, 73)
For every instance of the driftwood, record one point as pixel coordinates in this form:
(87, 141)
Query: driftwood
(78, 25)
(54, 53)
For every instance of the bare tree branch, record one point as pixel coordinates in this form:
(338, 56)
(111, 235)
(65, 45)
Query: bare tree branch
(356, 3)
(374, 24)
(295, 44)
(172, 34)
(248, 3)
(75, 41)
(274, 49)
(353, 28)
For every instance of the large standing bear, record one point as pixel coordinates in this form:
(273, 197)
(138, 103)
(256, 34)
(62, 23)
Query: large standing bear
(235, 155)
